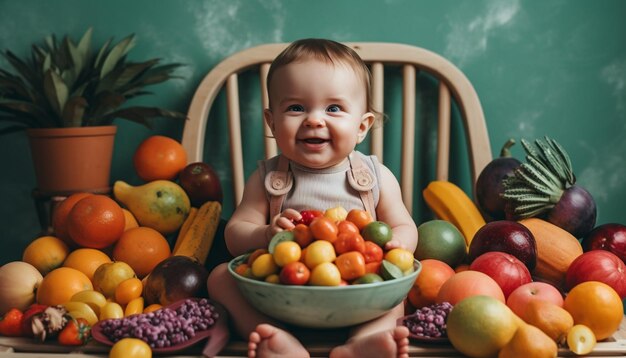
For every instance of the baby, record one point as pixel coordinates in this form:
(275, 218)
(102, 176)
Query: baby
(319, 110)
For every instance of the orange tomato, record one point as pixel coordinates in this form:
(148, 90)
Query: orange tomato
(373, 267)
(372, 252)
(324, 228)
(349, 242)
(351, 265)
(302, 235)
(359, 217)
(347, 227)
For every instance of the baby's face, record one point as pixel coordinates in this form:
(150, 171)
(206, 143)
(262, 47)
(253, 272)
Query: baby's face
(318, 112)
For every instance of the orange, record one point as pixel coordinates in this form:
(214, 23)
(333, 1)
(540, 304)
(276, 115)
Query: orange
(469, 283)
(159, 157)
(96, 221)
(60, 213)
(595, 305)
(129, 220)
(45, 253)
(142, 248)
(60, 285)
(428, 282)
(86, 260)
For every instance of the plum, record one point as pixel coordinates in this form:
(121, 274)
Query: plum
(489, 187)
(506, 236)
(175, 278)
(610, 237)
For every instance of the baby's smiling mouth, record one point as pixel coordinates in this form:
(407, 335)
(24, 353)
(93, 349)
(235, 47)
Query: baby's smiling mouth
(314, 140)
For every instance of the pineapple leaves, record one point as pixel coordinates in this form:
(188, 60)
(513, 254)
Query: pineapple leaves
(538, 184)
(56, 91)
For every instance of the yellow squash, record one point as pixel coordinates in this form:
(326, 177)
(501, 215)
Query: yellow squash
(448, 202)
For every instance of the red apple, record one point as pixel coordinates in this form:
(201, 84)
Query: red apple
(598, 265)
(610, 237)
(507, 270)
(294, 273)
(506, 236)
(520, 297)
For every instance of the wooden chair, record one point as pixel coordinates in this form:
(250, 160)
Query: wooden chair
(450, 90)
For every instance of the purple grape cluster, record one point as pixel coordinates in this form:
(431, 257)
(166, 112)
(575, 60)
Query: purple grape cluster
(429, 321)
(165, 327)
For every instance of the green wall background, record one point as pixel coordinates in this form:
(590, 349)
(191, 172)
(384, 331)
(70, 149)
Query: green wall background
(555, 68)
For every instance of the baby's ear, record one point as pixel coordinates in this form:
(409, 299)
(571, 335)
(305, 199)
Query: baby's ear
(269, 118)
(367, 120)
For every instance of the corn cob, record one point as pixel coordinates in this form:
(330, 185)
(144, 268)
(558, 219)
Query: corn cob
(448, 202)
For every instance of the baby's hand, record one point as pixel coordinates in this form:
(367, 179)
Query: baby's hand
(394, 244)
(283, 221)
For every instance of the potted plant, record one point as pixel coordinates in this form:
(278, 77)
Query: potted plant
(67, 92)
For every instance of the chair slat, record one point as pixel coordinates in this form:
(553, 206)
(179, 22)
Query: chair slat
(443, 133)
(408, 135)
(378, 85)
(234, 128)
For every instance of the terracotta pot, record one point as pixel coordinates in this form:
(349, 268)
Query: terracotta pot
(68, 160)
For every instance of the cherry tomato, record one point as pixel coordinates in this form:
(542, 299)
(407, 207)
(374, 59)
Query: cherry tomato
(349, 242)
(359, 217)
(128, 290)
(373, 252)
(256, 253)
(373, 267)
(308, 216)
(319, 252)
(336, 214)
(346, 226)
(303, 235)
(286, 252)
(324, 228)
(295, 273)
(351, 265)
(130, 348)
(325, 274)
(400, 257)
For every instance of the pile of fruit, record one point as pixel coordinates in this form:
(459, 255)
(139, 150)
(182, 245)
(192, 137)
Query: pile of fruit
(526, 268)
(329, 248)
(112, 257)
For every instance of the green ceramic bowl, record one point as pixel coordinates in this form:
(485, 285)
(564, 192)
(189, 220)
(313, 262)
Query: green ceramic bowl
(324, 307)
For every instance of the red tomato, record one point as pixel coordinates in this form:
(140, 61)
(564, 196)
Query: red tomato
(359, 217)
(349, 242)
(351, 265)
(294, 273)
(324, 228)
(373, 252)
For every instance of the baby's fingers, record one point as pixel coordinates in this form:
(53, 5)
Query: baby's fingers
(285, 223)
(291, 214)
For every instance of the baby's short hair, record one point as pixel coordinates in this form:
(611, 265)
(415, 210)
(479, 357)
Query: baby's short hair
(324, 50)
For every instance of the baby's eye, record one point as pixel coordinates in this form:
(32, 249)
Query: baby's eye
(295, 108)
(333, 108)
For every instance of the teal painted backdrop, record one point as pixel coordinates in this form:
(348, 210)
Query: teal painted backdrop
(555, 68)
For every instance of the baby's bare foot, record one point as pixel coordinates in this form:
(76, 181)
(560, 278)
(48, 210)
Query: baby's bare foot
(269, 341)
(392, 343)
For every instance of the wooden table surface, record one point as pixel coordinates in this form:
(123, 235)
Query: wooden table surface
(26, 347)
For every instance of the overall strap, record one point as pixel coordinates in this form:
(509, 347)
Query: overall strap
(278, 183)
(362, 180)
